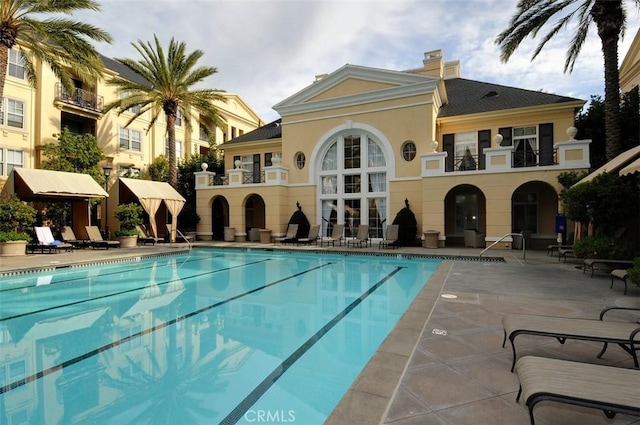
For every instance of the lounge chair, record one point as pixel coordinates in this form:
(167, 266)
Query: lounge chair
(362, 237)
(312, 237)
(336, 236)
(392, 237)
(144, 238)
(179, 236)
(622, 275)
(625, 334)
(604, 264)
(290, 237)
(96, 240)
(610, 389)
(68, 236)
(48, 242)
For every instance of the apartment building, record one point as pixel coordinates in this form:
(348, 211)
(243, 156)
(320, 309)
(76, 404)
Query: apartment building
(31, 116)
(358, 144)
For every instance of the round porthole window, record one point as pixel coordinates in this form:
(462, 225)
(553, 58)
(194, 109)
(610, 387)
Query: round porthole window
(300, 160)
(409, 150)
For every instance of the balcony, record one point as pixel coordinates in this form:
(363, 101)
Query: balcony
(272, 175)
(570, 154)
(80, 98)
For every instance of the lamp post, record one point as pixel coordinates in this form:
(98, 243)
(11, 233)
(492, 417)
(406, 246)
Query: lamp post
(107, 173)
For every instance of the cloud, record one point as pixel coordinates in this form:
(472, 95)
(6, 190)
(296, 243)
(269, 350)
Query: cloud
(267, 50)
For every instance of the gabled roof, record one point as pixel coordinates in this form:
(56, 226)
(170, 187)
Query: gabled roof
(473, 97)
(398, 84)
(273, 130)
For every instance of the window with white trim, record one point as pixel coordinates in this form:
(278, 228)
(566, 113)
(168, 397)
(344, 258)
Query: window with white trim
(466, 151)
(179, 118)
(525, 146)
(178, 149)
(10, 159)
(134, 109)
(15, 67)
(130, 139)
(12, 113)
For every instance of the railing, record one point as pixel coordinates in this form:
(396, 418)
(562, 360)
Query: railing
(249, 178)
(82, 98)
(524, 243)
(465, 163)
(519, 159)
(183, 238)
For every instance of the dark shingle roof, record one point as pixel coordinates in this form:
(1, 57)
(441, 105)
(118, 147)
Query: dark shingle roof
(124, 71)
(472, 97)
(273, 130)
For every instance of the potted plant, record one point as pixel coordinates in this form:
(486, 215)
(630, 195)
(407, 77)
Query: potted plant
(129, 216)
(16, 218)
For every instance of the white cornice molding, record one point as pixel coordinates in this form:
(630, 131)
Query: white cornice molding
(407, 85)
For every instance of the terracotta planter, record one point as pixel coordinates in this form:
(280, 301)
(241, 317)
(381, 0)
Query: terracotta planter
(128, 241)
(13, 248)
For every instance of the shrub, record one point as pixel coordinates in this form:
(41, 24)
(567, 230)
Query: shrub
(16, 218)
(604, 247)
(634, 271)
(130, 216)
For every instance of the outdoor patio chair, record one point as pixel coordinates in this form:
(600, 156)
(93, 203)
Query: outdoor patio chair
(96, 240)
(625, 334)
(68, 236)
(48, 242)
(312, 237)
(391, 239)
(290, 237)
(362, 237)
(179, 236)
(474, 239)
(611, 389)
(622, 275)
(144, 238)
(336, 236)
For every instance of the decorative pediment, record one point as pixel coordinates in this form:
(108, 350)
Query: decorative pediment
(352, 85)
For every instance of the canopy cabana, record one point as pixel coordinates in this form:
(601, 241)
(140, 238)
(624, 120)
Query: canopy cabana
(34, 185)
(156, 198)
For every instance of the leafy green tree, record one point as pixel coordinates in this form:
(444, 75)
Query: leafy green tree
(158, 170)
(186, 184)
(168, 88)
(61, 43)
(76, 153)
(609, 18)
(607, 201)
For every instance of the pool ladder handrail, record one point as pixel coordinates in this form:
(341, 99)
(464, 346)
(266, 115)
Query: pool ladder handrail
(184, 238)
(524, 243)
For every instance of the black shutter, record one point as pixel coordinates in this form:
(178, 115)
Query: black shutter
(484, 142)
(546, 144)
(256, 168)
(506, 136)
(267, 159)
(447, 146)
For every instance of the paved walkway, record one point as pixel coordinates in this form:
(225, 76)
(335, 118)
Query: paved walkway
(444, 364)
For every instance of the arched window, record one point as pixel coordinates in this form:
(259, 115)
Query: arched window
(353, 186)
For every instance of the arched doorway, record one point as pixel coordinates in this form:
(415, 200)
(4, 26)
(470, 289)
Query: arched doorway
(254, 213)
(534, 206)
(465, 207)
(219, 217)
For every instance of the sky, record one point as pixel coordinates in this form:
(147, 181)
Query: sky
(268, 50)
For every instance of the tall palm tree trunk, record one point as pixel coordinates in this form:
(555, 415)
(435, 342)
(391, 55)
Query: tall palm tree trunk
(609, 18)
(171, 135)
(4, 61)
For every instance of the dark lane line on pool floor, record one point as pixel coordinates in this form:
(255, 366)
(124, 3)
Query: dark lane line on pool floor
(242, 407)
(132, 290)
(102, 275)
(114, 344)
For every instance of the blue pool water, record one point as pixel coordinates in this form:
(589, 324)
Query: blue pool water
(206, 337)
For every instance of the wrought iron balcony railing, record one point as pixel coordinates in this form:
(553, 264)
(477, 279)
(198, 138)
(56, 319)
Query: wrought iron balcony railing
(82, 98)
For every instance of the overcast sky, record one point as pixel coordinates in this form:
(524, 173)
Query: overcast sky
(267, 50)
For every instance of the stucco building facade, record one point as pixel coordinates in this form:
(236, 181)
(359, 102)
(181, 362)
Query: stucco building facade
(357, 144)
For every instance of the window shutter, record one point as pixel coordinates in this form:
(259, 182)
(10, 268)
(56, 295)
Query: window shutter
(267, 159)
(506, 136)
(447, 146)
(546, 144)
(484, 142)
(256, 168)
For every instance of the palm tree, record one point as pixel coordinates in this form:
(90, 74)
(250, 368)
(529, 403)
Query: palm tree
(169, 77)
(59, 42)
(609, 17)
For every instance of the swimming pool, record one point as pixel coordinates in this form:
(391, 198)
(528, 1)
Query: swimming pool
(209, 336)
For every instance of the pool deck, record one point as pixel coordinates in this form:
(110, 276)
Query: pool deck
(443, 364)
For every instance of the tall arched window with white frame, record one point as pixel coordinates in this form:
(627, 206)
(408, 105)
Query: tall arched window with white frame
(353, 183)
